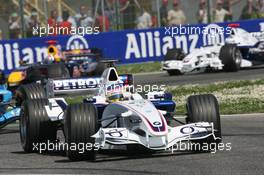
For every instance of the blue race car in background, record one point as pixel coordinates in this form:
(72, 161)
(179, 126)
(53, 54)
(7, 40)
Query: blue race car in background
(8, 113)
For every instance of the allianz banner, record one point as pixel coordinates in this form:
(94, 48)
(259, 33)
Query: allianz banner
(130, 46)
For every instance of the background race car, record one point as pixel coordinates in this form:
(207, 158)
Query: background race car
(86, 61)
(70, 63)
(241, 49)
(80, 62)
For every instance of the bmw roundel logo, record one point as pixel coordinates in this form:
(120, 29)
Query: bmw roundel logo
(156, 123)
(187, 130)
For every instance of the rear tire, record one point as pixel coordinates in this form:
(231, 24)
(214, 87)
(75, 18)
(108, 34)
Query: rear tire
(35, 126)
(231, 57)
(174, 54)
(29, 92)
(205, 108)
(174, 72)
(80, 124)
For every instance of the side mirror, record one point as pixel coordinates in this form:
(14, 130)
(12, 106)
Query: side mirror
(127, 114)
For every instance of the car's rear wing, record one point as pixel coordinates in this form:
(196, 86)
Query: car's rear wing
(79, 52)
(82, 54)
(68, 86)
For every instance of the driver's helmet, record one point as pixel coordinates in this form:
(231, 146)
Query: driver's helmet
(114, 92)
(115, 97)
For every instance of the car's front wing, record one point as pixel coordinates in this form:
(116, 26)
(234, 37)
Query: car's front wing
(123, 136)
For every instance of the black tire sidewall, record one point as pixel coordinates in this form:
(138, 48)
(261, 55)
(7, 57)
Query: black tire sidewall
(228, 56)
(79, 125)
(174, 72)
(37, 125)
(204, 108)
(30, 92)
(174, 54)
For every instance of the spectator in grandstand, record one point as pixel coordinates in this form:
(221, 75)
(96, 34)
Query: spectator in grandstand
(102, 22)
(202, 15)
(82, 18)
(31, 22)
(164, 13)
(53, 22)
(219, 13)
(144, 21)
(56, 19)
(260, 6)
(53, 19)
(14, 26)
(249, 11)
(154, 19)
(65, 25)
(110, 11)
(227, 5)
(71, 20)
(128, 9)
(176, 16)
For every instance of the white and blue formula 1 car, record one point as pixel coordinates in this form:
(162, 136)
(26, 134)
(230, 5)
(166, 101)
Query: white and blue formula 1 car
(117, 116)
(241, 49)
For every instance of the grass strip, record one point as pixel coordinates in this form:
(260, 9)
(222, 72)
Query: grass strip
(237, 97)
(139, 68)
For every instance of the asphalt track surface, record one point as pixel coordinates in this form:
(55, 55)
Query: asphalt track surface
(162, 78)
(245, 133)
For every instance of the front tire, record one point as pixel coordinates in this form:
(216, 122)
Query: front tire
(231, 57)
(35, 126)
(80, 124)
(174, 55)
(205, 108)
